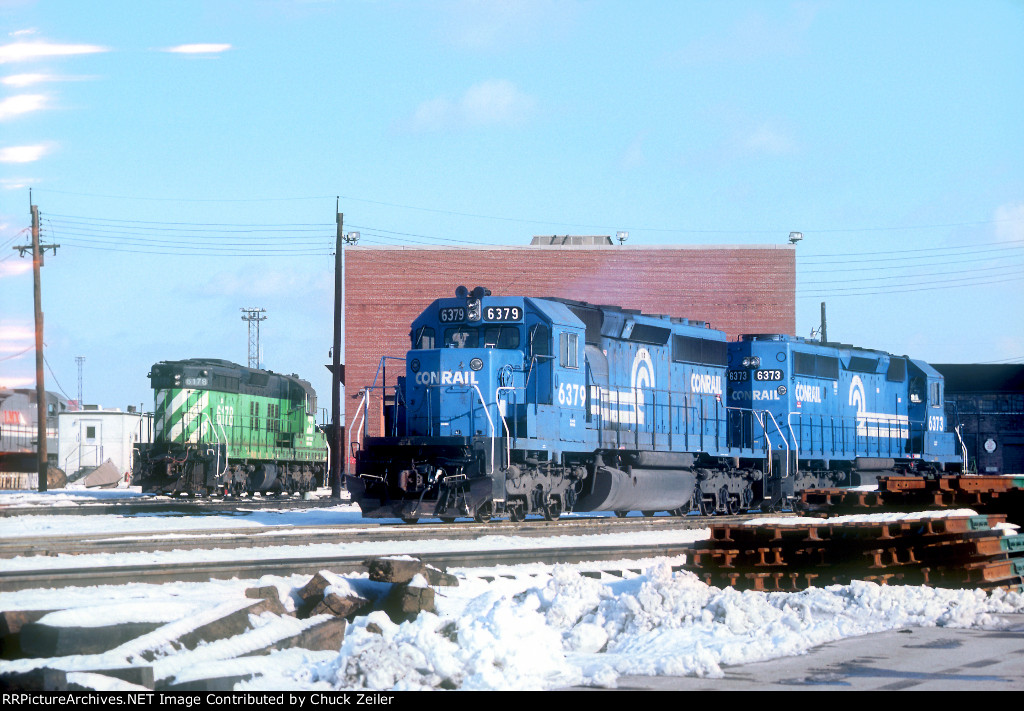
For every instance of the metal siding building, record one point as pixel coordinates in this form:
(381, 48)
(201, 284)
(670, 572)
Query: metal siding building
(737, 289)
(987, 401)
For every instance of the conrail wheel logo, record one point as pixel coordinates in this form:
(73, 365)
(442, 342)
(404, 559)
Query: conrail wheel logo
(857, 399)
(889, 425)
(641, 379)
(626, 406)
(643, 371)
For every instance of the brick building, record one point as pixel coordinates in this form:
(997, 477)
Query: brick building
(737, 289)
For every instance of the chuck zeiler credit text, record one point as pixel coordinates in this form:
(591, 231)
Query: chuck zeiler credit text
(346, 698)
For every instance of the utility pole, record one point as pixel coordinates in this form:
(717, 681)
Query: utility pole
(254, 316)
(337, 368)
(37, 262)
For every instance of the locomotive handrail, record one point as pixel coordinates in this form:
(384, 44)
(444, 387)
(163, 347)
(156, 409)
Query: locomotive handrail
(504, 422)
(779, 429)
(489, 421)
(963, 447)
(360, 412)
(220, 472)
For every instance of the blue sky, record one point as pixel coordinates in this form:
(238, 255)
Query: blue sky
(187, 157)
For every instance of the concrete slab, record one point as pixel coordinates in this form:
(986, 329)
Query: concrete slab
(42, 641)
(914, 659)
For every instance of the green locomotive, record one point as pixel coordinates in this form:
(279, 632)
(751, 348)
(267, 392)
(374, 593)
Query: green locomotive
(223, 429)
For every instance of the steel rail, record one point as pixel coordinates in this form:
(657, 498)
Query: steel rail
(340, 564)
(269, 536)
(167, 505)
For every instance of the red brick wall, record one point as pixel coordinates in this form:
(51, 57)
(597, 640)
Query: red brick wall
(742, 289)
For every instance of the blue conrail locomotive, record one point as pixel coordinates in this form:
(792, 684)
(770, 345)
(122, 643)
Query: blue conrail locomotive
(519, 405)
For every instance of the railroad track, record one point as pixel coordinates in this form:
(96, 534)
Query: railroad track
(269, 536)
(306, 550)
(263, 537)
(341, 564)
(128, 507)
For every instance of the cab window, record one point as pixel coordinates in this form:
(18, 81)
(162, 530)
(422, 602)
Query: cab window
(423, 338)
(461, 338)
(503, 337)
(540, 341)
(569, 350)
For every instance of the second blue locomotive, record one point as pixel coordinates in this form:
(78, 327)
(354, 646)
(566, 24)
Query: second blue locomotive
(519, 405)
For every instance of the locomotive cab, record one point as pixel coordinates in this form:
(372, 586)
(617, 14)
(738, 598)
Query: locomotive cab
(493, 385)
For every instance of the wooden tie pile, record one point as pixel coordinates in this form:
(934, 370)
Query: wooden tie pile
(981, 493)
(949, 552)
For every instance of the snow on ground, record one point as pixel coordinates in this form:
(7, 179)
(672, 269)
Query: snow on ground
(518, 627)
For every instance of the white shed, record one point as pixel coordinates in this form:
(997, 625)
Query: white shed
(87, 438)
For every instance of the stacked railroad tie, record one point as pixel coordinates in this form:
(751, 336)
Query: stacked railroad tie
(991, 494)
(956, 551)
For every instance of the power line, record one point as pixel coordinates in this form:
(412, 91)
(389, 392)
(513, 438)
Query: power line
(1013, 266)
(499, 218)
(200, 252)
(899, 288)
(55, 377)
(932, 252)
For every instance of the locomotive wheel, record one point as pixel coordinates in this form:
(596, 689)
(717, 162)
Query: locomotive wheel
(729, 505)
(484, 513)
(447, 519)
(682, 510)
(621, 514)
(516, 511)
(552, 509)
(648, 514)
(411, 519)
(704, 506)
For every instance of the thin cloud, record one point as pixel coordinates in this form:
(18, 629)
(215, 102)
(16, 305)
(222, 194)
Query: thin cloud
(21, 104)
(1010, 222)
(17, 183)
(491, 103)
(634, 156)
(766, 140)
(198, 48)
(25, 51)
(24, 154)
(10, 268)
(496, 25)
(20, 81)
(753, 36)
(16, 381)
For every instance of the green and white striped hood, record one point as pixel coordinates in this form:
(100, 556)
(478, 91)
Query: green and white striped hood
(181, 415)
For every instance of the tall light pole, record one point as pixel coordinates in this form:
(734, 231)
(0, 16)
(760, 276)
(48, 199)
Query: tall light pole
(254, 316)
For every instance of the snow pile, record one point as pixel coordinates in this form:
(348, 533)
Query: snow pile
(574, 630)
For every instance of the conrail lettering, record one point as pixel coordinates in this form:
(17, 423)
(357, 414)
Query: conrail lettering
(446, 377)
(808, 393)
(706, 383)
